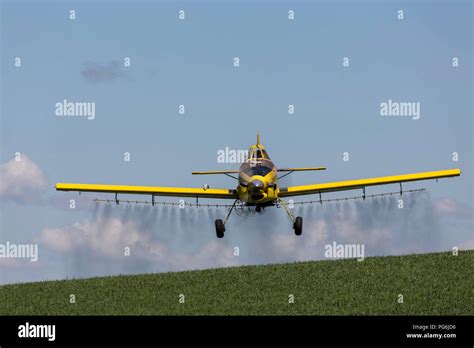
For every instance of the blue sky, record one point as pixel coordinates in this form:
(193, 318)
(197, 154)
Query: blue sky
(190, 62)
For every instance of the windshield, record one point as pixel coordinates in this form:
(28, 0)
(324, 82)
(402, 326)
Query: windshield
(256, 168)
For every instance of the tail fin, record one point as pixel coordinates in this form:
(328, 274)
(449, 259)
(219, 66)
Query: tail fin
(258, 138)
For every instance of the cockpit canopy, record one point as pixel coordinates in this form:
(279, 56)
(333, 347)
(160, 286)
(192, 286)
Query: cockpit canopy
(259, 162)
(258, 153)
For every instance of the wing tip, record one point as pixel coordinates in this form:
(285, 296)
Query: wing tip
(60, 186)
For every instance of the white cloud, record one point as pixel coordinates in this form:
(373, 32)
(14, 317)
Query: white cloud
(95, 246)
(450, 207)
(21, 181)
(467, 245)
(305, 247)
(340, 227)
(9, 262)
(106, 238)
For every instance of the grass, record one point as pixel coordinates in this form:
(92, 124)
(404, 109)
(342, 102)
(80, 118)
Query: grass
(431, 284)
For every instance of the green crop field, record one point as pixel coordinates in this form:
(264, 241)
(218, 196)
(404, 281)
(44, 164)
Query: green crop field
(435, 284)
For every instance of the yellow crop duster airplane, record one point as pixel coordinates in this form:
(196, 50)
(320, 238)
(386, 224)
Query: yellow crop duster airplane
(258, 186)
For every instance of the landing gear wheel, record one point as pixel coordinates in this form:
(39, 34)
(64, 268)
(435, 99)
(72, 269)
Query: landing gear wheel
(258, 209)
(298, 225)
(220, 228)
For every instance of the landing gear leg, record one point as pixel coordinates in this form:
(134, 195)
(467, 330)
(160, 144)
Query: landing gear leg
(220, 225)
(297, 222)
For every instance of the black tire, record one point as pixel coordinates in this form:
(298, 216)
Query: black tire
(258, 209)
(298, 226)
(220, 228)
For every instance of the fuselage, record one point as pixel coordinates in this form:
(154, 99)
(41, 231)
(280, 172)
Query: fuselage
(258, 178)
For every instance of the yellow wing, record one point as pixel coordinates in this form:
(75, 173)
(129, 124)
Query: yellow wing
(216, 172)
(300, 169)
(360, 183)
(150, 190)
